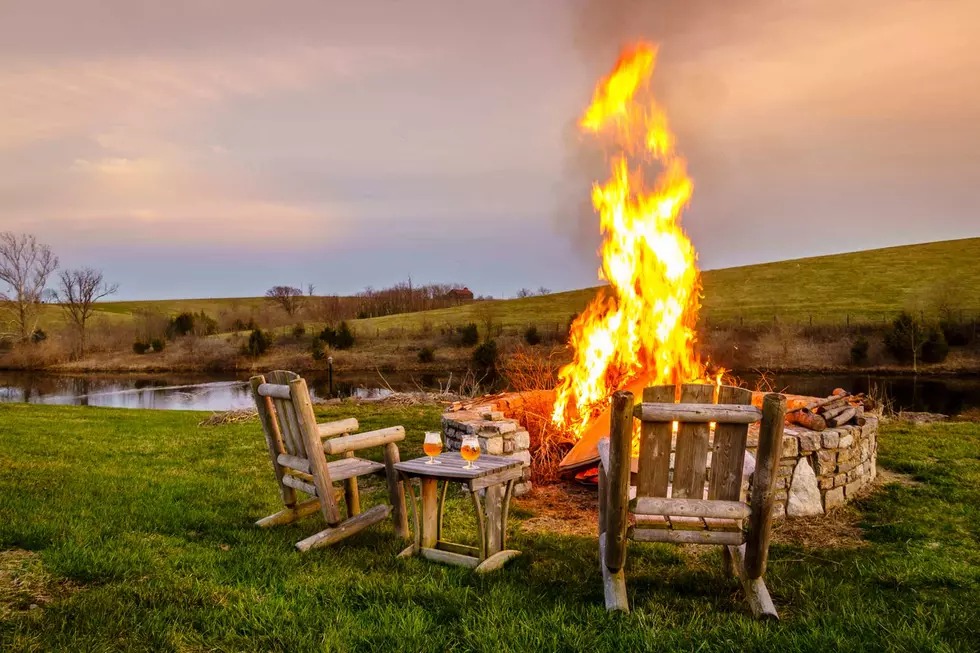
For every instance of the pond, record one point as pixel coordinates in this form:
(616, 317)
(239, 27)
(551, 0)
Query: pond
(948, 395)
(176, 391)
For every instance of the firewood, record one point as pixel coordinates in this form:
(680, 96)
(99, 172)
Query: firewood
(807, 419)
(829, 407)
(835, 411)
(842, 418)
(814, 405)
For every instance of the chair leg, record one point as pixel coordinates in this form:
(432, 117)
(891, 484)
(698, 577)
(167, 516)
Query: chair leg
(345, 528)
(396, 491)
(289, 515)
(352, 498)
(613, 582)
(726, 562)
(755, 589)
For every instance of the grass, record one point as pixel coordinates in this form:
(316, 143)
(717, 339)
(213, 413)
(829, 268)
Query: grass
(866, 286)
(131, 530)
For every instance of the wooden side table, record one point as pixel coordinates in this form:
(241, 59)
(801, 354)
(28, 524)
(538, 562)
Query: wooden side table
(496, 475)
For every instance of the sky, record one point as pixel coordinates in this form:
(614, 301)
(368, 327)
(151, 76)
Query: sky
(215, 148)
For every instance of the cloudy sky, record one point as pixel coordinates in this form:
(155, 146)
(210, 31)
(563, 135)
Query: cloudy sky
(217, 147)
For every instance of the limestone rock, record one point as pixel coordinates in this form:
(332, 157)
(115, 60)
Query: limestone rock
(804, 494)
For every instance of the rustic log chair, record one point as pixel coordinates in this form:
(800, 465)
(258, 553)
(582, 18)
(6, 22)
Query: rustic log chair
(686, 516)
(297, 448)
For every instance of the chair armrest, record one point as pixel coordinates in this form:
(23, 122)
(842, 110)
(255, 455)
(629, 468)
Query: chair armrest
(364, 440)
(604, 453)
(340, 427)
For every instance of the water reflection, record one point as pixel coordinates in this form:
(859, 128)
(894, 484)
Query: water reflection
(949, 395)
(181, 392)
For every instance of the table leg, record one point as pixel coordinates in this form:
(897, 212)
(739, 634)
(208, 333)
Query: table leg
(416, 531)
(481, 534)
(498, 504)
(430, 512)
(494, 504)
(442, 508)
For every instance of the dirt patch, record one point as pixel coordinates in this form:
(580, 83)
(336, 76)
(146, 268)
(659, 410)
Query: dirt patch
(886, 476)
(836, 530)
(564, 509)
(25, 585)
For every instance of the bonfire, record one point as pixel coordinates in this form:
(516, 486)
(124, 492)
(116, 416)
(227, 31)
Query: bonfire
(640, 330)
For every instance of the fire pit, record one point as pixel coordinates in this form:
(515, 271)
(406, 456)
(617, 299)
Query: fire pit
(818, 470)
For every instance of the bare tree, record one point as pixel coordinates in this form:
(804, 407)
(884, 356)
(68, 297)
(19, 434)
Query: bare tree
(310, 288)
(77, 293)
(25, 266)
(524, 292)
(287, 298)
(542, 291)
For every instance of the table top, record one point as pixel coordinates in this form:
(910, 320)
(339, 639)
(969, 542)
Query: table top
(451, 466)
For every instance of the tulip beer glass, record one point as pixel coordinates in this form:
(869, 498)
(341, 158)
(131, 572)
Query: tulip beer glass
(470, 451)
(432, 446)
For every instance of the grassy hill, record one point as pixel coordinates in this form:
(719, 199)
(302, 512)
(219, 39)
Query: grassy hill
(865, 286)
(870, 285)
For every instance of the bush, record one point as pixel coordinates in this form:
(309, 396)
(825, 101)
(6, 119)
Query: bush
(317, 349)
(427, 355)
(859, 351)
(957, 334)
(299, 330)
(340, 338)
(531, 336)
(469, 335)
(140, 347)
(485, 357)
(38, 336)
(909, 341)
(157, 344)
(935, 349)
(205, 325)
(180, 325)
(904, 338)
(258, 343)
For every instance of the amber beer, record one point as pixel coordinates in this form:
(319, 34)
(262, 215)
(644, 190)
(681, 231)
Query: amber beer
(470, 451)
(432, 446)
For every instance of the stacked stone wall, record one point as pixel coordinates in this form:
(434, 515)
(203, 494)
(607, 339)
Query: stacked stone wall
(843, 461)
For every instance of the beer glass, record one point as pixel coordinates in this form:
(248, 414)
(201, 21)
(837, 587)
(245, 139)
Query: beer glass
(432, 446)
(470, 451)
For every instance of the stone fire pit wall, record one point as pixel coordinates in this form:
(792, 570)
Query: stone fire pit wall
(498, 435)
(821, 470)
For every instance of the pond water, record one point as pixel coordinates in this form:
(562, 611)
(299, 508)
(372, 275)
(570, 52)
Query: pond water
(949, 395)
(169, 391)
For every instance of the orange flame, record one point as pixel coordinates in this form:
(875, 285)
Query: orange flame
(643, 328)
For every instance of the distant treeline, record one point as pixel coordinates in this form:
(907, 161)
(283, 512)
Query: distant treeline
(400, 298)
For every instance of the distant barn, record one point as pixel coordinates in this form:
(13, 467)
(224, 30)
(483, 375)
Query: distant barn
(460, 295)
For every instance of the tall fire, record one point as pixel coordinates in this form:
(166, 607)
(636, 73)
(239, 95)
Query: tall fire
(641, 329)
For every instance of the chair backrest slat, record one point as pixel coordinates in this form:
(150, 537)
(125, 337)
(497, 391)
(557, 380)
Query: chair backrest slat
(691, 458)
(728, 451)
(286, 415)
(653, 466)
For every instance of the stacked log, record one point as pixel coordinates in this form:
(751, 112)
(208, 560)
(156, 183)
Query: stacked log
(838, 409)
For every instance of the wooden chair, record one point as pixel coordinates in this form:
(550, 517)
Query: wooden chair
(677, 510)
(297, 447)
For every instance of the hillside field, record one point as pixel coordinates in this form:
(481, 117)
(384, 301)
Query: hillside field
(867, 286)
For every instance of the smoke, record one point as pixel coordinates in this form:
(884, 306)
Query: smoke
(602, 29)
(852, 116)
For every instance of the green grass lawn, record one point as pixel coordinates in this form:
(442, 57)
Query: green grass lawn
(131, 530)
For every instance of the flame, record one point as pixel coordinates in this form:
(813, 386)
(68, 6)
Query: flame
(643, 326)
